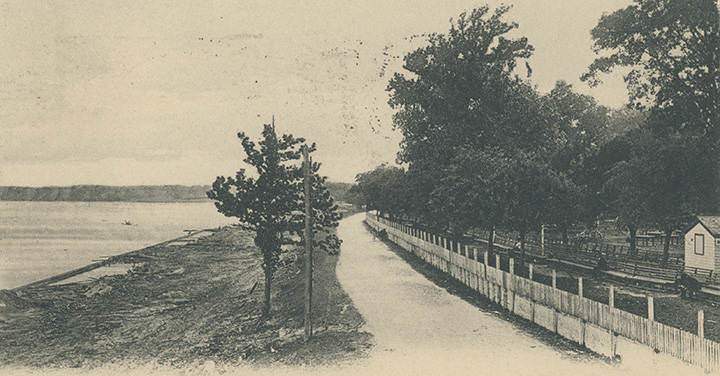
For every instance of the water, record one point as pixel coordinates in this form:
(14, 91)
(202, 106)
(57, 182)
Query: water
(42, 239)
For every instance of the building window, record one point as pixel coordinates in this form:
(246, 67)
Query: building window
(699, 244)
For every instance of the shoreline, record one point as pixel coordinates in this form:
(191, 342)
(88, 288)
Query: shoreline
(108, 261)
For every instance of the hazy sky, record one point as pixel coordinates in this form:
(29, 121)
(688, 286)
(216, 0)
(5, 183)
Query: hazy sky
(97, 92)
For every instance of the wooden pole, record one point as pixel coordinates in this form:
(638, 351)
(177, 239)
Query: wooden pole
(542, 240)
(701, 324)
(651, 308)
(611, 296)
(554, 279)
(308, 245)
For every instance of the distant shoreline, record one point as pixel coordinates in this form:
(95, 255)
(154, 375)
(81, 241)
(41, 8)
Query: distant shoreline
(128, 193)
(106, 193)
(118, 201)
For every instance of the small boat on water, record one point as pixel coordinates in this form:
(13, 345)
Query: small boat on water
(127, 223)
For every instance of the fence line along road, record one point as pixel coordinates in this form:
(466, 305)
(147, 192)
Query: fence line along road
(644, 264)
(599, 327)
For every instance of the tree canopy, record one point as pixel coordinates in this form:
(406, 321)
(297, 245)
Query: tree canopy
(483, 148)
(672, 51)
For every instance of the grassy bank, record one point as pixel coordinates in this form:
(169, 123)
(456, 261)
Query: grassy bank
(180, 303)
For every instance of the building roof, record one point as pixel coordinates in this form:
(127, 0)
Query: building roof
(710, 222)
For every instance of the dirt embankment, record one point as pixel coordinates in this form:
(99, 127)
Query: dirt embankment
(181, 303)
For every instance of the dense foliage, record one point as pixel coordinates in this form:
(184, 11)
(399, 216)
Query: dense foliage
(482, 148)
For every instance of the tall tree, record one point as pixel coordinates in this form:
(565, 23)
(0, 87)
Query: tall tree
(270, 203)
(672, 51)
(582, 128)
(621, 168)
(535, 194)
(459, 102)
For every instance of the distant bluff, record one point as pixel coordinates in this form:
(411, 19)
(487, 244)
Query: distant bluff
(141, 193)
(138, 193)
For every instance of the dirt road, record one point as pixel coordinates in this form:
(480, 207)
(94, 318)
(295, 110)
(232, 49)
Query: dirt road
(422, 329)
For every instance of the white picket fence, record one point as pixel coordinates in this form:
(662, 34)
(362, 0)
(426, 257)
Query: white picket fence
(595, 325)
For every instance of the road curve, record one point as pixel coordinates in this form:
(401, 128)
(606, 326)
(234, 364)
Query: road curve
(422, 329)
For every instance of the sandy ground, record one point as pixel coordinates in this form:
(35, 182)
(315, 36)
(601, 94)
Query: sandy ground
(420, 328)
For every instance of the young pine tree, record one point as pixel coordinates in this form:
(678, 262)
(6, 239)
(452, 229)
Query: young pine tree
(271, 202)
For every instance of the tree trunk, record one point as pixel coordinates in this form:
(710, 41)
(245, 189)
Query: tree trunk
(666, 246)
(268, 289)
(632, 230)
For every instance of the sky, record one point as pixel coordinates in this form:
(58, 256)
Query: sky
(124, 93)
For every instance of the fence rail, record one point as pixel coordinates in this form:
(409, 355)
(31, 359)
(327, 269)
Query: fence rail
(570, 315)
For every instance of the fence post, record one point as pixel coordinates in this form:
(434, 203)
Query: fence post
(580, 287)
(476, 268)
(486, 261)
(511, 286)
(554, 279)
(486, 285)
(450, 258)
(498, 279)
(611, 297)
(542, 240)
(701, 324)
(651, 308)
(530, 271)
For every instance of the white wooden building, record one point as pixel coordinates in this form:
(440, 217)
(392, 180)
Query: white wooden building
(702, 244)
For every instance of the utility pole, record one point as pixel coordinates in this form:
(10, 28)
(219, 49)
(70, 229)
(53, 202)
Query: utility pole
(308, 245)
